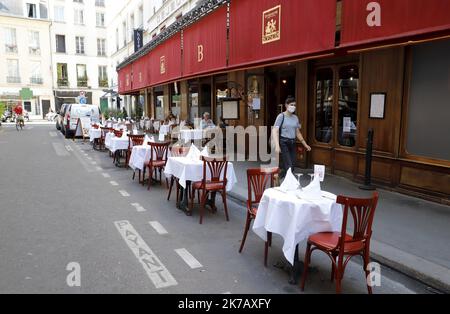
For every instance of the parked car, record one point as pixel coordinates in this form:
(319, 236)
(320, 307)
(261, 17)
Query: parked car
(75, 111)
(60, 117)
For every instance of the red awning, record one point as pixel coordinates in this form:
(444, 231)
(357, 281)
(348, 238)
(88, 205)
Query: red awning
(125, 79)
(165, 61)
(141, 72)
(266, 30)
(205, 44)
(366, 21)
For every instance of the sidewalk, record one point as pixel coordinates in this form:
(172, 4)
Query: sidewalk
(409, 234)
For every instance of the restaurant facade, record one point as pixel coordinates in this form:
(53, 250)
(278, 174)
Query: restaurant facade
(352, 65)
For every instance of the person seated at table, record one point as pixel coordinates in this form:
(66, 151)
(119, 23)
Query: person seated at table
(171, 119)
(206, 121)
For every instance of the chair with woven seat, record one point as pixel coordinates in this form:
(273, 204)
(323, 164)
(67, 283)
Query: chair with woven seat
(340, 247)
(158, 160)
(217, 182)
(258, 179)
(177, 151)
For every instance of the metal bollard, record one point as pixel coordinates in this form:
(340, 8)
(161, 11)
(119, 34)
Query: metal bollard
(368, 173)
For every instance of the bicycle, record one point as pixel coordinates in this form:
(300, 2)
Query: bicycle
(20, 122)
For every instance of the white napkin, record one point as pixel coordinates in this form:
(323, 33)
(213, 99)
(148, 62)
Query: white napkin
(312, 191)
(124, 134)
(290, 183)
(194, 153)
(148, 139)
(205, 152)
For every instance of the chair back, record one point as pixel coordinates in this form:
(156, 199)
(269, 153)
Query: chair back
(104, 130)
(258, 180)
(362, 211)
(217, 168)
(118, 133)
(179, 151)
(158, 151)
(95, 126)
(134, 140)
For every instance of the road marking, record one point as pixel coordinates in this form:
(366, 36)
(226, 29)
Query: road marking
(99, 168)
(106, 175)
(59, 149)
(188, 258)
(158, 227)
(53, 134)
(90, 158)
(138, 207)
(124, 193)
(155, 270)
(114, 183)
(93, 162)
(69, 148)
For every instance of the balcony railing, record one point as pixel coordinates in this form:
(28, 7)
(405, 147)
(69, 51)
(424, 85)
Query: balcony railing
(10, 48)
(13, 79)
(103, 83)
(36, 80)
(82, 82)
(63, 82)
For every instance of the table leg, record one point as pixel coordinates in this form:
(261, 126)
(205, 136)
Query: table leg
(183, 203)
(296, 269)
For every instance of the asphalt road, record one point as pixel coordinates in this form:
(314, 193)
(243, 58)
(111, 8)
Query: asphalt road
(64, 204)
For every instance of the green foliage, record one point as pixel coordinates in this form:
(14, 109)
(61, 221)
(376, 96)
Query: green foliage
(113, 113)
(2, 108)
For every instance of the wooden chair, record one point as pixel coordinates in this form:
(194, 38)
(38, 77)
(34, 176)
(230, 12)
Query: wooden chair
(177, 151)
(158, 160)
(258, 180)
(217, 167)
(340, 245)
(133, 140)
(103, 130)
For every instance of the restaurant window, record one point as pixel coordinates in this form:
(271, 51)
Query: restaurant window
(205, 98)
(193, 101)
(159, 103)
(428, 112)
(348, 105)
(221, 92)
(324, 105)
(175, 99)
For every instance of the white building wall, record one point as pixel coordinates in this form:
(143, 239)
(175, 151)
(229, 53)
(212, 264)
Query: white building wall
(10, 91)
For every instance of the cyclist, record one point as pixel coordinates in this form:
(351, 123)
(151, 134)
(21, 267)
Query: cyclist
(19, 117)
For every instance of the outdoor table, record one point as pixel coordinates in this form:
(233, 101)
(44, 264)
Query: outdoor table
(94, 134)
(164, 129)
(140, 155)
(188, 170)
(295, 219)
(116, 144)
(188, 135)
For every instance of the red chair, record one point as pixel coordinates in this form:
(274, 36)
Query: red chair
(217, 167)
(133, 140)
(257, 181)
(104, 130)
(177, 151)
(158, 160)
(340, 245)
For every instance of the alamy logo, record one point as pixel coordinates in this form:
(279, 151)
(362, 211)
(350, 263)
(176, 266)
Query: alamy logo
(374, 277)
(374, 17)
(73, 279)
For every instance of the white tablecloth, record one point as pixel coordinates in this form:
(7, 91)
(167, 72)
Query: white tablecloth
(186, 169)
(94, 134)
(140, 155)
(164, 129)
(295, 219)
(115, 143)
(188, 135)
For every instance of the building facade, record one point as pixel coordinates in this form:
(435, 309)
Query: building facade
(152, 17)
(25, 57)
(79, 50)
(353, 66)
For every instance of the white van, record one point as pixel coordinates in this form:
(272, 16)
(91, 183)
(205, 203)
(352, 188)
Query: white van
(75, 111)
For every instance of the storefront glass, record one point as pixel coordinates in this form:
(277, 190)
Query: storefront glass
(348, 105)
(324, 105)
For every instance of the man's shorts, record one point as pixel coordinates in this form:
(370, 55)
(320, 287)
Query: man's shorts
(20, 118)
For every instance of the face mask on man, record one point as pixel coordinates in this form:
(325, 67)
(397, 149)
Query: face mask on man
(292, 108)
